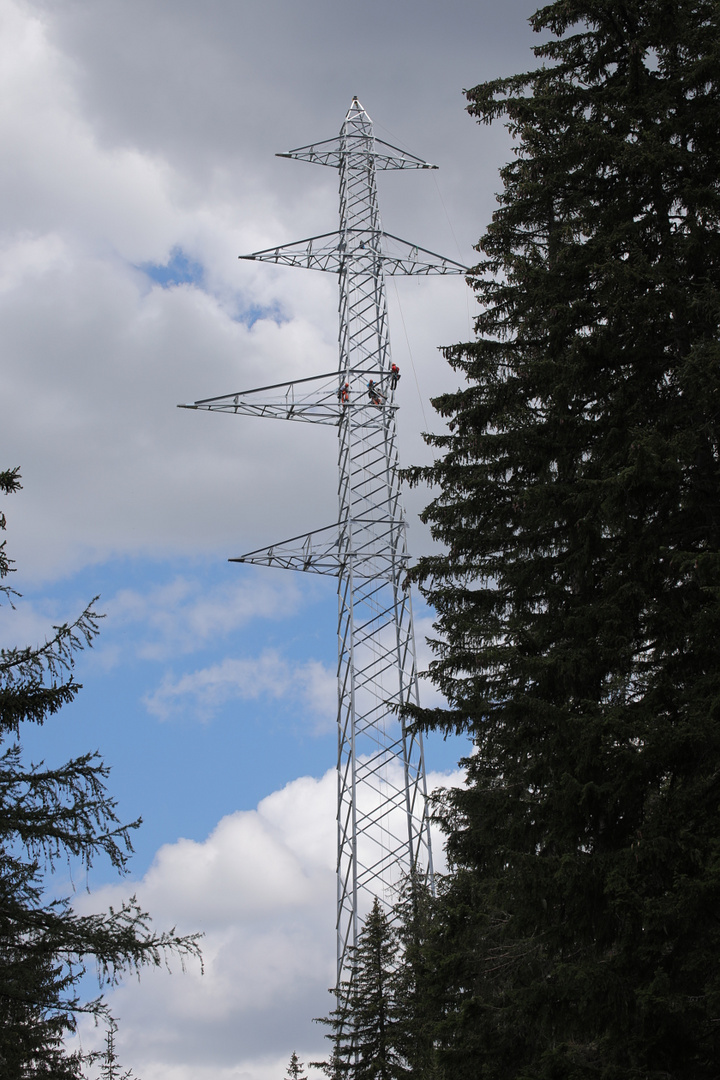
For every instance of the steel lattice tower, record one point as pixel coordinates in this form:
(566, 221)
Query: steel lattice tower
(382, 822)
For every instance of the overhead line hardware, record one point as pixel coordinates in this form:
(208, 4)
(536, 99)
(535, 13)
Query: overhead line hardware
(383, 831)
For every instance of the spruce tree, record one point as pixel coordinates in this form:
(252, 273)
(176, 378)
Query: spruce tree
(295, 1068)
(109, 1068)
(578, 595)
(365, 1029)
(49, 815)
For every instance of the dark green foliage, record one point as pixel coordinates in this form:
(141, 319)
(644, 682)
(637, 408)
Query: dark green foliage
(366, 1032)
(9, 482)
(579, 600)
(48, 815)
(109, 1068)
(295, 1068)
(418, 994)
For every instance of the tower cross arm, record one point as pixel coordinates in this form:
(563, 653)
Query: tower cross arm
(319, 399)
(315, 551)
(322, 551)
(402, 257)
(330, 251)
(314, 253)
(331, 152)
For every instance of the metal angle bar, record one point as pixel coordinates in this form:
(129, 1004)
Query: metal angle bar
(259, 389)
(384, 709)
(370, 871)
(391, 794)
(387, 807)
(383, 712)
(372, 628)
(379, 724)
(371, 766)
(312, 413)
(388, 794)
(378, 764)
(343, 677)
(370, 674)
(343, 723)
(369, 826)
(347, 822)
(387, 859)
(376, 777)
(364, 629)
(383, 733)
(408, 261)
(388, 804)
(367, 726)
(384, 715)
(370, 549)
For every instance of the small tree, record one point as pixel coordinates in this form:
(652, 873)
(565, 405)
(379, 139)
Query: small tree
(365, 1028)
(48, 815)
(295, 1068)
(109, 1068)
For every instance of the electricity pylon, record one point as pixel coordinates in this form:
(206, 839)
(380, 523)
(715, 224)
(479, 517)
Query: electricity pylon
(382, 821)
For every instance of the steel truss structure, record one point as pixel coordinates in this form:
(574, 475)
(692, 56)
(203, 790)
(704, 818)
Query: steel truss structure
(382, 821)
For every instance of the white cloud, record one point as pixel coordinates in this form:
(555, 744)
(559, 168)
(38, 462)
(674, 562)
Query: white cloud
(95, 357)
(55, 172)
(26, 625)
(210, 687)
(262, 886)
(165, 620)
(268, 675)
(319, 690)
(183, 615)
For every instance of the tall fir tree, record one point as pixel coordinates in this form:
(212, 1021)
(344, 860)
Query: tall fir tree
(578, 602)
(50, 815)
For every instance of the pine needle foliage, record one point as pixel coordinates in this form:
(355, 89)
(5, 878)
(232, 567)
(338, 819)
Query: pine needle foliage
(578, 598)
(51, 815)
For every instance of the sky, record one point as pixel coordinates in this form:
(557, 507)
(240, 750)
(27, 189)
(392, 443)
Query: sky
(139, 140)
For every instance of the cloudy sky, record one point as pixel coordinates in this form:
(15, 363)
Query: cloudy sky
(139, 140)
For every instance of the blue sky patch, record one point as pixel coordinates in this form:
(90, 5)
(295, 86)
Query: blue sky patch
(248, 316)
(180, 269)
(241, 660)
